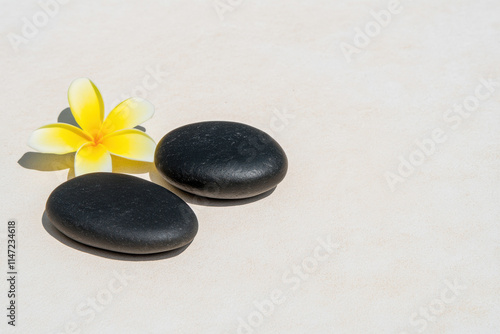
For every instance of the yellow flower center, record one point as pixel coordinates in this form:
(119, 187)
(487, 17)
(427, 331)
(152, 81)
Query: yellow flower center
(97, 139)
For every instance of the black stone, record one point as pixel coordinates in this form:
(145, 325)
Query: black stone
(121, 213)
(218, 159)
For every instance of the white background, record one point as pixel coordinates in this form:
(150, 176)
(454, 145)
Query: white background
(278, 66)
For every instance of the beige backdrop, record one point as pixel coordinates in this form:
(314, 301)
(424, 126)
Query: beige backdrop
(388, 219)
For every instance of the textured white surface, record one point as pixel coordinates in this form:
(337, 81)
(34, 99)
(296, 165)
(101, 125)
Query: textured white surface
(351, 121)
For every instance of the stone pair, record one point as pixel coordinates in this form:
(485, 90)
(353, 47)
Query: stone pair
(122, 213)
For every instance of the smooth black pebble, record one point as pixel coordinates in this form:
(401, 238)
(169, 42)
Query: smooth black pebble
(121, 213)
(217, 159)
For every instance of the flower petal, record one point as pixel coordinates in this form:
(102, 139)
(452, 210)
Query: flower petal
(92, 158)
(128, 114)
(86, 105)
(59, 138)
(131, 144)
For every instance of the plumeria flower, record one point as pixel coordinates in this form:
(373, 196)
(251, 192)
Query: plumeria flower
(98, 138)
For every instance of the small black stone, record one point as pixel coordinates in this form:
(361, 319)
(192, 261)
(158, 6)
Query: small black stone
(121, 213)
(217, 159)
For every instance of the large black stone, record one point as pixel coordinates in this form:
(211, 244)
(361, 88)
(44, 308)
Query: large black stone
(121, 213)
(218, 159)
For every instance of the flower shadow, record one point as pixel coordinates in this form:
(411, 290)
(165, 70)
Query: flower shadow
(126, 166)
(65, 116)
(47, 162)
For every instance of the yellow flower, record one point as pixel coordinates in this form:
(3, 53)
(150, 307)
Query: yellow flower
(98, 138)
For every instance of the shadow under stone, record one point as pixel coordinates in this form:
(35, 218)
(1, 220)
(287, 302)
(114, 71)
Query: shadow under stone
(59, 236)
(155, 177)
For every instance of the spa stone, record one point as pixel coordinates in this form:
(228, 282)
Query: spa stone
(121, 213)
(218, 159)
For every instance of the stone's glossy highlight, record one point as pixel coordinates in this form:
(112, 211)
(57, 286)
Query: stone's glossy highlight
(217, 159)
(121, 213)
